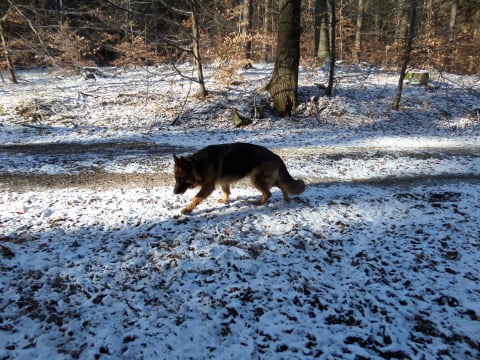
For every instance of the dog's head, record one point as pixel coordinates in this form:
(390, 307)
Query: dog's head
(184, 174)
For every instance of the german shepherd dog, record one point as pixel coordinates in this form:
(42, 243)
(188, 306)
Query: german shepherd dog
(227, 163)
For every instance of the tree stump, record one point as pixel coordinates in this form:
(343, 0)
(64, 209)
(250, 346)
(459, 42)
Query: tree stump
(239, 120)
(417, 77)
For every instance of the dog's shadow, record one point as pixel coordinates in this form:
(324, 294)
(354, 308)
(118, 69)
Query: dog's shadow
(245, 205)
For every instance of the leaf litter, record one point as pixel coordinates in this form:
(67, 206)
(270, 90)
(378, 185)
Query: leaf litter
(377, 259)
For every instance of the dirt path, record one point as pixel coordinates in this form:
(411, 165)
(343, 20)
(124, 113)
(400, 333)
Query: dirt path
(98, 179)
(95, 181)
(104, 181)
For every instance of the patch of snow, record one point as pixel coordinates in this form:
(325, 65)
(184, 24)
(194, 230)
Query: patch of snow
(378, 258)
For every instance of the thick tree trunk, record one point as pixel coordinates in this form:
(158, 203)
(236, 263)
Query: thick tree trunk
(284, 83)
(406, 54)
(246, 26)
(322, 37)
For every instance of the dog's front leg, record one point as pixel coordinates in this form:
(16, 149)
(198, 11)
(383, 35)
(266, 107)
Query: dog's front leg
(226, 193)
(204, 192)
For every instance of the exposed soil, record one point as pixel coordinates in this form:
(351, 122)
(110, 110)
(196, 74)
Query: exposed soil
(97, 179)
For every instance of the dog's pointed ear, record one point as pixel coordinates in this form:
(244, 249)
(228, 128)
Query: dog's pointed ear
(176, 159)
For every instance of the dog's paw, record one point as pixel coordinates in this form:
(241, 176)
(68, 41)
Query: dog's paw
(187, 210)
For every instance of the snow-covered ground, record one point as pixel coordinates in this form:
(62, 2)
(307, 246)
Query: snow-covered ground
(377, 259)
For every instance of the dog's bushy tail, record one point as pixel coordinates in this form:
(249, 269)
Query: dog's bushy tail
(288, 183)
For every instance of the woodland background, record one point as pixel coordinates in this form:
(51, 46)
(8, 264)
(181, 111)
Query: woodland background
(378, 258)
(72, 33)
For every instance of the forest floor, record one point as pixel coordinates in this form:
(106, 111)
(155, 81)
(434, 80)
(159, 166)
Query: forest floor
(377, 259)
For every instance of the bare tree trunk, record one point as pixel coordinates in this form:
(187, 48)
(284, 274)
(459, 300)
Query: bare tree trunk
(322, 40)
(453, 21)
(202, 93)
(340, 33)
(284, 83)
(246, 26)
(358, 32)
(406, 54)
(401, 30)
(60, 11)
(476, 24)
(266, 33)
(331, 76)
(451, 35)
(429, 17)
(11, 69)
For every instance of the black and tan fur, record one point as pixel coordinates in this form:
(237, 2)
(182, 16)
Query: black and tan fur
(227, 163)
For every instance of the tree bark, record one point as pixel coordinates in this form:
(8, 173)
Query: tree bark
(406, 54)
(451, 35)
(246, 26)
(401, 31)
(266, 33)
(331, 75)
(284, 83)
(453, 21)
(358, 32)
(202, 93)
(10, 68)
(322, 37)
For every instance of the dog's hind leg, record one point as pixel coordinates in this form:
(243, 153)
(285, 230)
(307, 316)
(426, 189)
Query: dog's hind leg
(262, 181)
(284, 191)
(266, 194)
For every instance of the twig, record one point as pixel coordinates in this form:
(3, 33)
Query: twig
(179, 116)
(37, 126)
(440, 72)
(34, 31)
